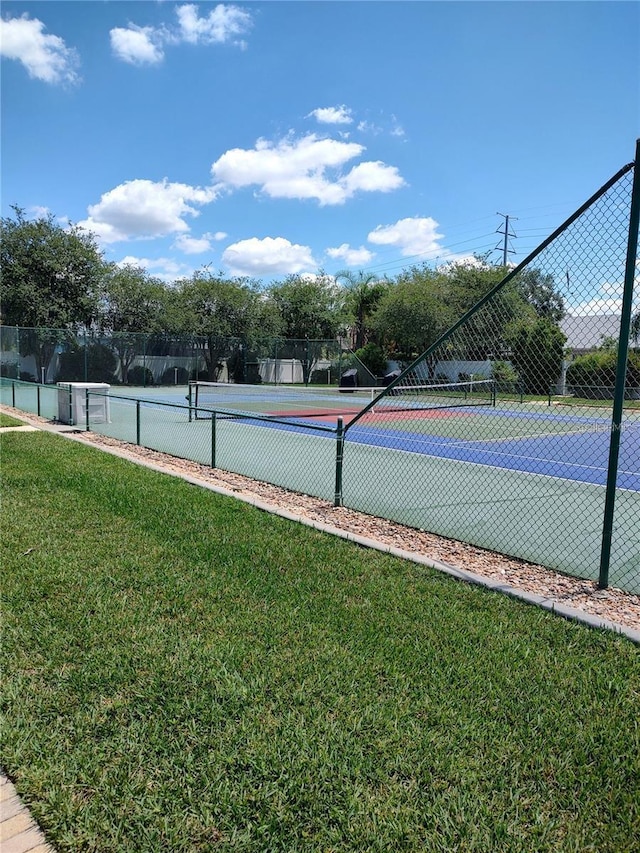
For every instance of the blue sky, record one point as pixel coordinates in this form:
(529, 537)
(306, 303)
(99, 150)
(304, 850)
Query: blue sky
(271, 138)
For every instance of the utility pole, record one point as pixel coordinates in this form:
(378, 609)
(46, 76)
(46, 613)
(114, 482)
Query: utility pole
(505, 246)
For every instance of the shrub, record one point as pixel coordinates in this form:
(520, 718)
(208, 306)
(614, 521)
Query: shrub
(505, 376)
(373, 359)
(169, 376)
(93, 363)
(140, 375)
(593, 375)
(9, 370)
(537, 352)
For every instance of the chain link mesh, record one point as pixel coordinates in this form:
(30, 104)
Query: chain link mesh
(499, 435)
(525, 476)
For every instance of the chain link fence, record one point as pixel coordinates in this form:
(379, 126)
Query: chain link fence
(532, 475)
(48, 356)
(517, 431)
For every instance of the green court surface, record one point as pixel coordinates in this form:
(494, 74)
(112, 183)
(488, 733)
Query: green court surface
(552, 520)
(550, 511)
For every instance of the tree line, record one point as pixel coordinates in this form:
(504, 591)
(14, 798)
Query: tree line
(57, 277)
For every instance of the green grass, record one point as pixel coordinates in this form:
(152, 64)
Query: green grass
(9, 421)
(185, 673)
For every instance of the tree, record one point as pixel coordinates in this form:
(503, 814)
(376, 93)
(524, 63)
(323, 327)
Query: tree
(311, 312)
(51, 275)
(133, 303)
(224, 315)
(537, 351)
(364, 291)
(310, 307)
(539, 291)
(50, 282)
(411, 314)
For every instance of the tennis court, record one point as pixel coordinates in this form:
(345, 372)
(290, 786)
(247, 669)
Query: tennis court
(524, 479)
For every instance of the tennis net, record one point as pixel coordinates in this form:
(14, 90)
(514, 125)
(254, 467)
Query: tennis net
(296, 402)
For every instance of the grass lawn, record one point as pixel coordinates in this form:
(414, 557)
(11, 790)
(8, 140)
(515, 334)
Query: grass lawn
(185, 673)
(9, 421)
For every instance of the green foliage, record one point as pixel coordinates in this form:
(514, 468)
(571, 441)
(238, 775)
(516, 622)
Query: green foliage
(505, 376)
(373, 358)
(593, 376)
(93, 362)
(169, 376)
(363, 293)
(132, 301)
(537, 353)
(139, 375)
(51, 276)
(539, 290)
(308, 307)
(411, 315)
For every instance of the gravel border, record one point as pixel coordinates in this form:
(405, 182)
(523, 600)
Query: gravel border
(571, 597)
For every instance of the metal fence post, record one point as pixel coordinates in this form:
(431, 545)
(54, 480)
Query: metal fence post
(621, 372)
(86, 409)
(138, 422)
(213, 439)
(38, 399)
(339, 460)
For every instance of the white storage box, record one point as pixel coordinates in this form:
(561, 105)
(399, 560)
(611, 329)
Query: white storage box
(72, 402)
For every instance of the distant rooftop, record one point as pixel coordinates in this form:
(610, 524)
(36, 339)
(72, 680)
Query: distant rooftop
(586, 333)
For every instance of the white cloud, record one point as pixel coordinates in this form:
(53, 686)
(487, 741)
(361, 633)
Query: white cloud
(193, 245)
(145, 209)
(221, 25)
(145, 45)
(596, 306)
(305, 168)
(219, 235)
(270, 256)
(332, 115)
(166, 269)
(38, 212)
(413, 236)
(46, 57)
(137, 45)
(373, 177)
(352, 257)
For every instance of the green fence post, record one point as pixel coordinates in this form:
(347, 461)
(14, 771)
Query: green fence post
(213, 439)
(337, 501)
(38, 399)
(138, 422)
(621, 371)
(13, 393)
(86, 409)
(71, 403)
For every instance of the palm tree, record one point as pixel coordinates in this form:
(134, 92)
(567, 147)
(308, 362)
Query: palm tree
(363, 294)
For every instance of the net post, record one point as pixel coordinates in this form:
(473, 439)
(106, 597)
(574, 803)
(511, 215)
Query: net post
(213, 439)
(38, 399)
(189, 399)
(621, 371)
(337, 501)
(138, 422)
(13, 393)
(86, 409)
